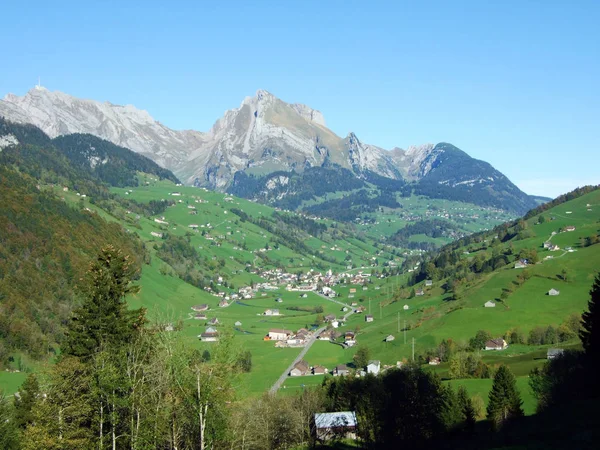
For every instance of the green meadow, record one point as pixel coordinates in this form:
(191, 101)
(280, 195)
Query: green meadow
(238, 245)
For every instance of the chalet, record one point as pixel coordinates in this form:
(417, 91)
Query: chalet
(374, 367)
(570, 228)
(489, 304)
(420, 293)
(341, 370)
(553, 292)
(211, 330)
(335, 323)
(521, 264)
(496, 344)
(319, 370)
(390, 338)
(428, 283)
(406, 307)
(353, 290)
(368, 318)
(329, 317)
(435, 361)
(299, 369)
(200, 308)
(277, 334)
(554, 353)
(213, 321)
(554, 248)
(223, 303)
(335, 425)
(304, 296)
(271, 312)
(547, 244)
(209, 337)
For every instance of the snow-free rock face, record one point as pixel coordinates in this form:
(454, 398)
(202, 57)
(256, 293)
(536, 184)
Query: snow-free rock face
(262, 136)
(266, 134)
(58, 114)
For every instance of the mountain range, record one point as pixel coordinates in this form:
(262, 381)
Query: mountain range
(263, 149)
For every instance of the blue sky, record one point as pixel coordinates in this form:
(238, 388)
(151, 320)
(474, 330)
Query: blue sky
(515, 83)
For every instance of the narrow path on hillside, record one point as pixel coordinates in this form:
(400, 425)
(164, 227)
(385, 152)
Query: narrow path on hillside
(308, 345)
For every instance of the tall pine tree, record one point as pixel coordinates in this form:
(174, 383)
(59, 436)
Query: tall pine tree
(590, 332)
(505, 400)
(103, 320)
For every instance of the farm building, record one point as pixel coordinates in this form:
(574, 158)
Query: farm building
(368, 318)
(209, 337)
(213, 321)
(341, 370)
(329, 317)
(277, 334)
(335, 323)
(390, 338)
(428, 283)
(547, 244)
(335, 425)
(301, 368)
(554, 353)
(496, 344)
(271, 312)
(420, 293)
(570, 228)
(489, 304)
(553, 292)
(238, 324)
(319, 370)
(406, 307)
(200, 317)
(520, 264)
(435, 361)
(374, 367)
(200, 308)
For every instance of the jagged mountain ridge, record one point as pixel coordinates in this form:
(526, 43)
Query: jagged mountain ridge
(263, 136)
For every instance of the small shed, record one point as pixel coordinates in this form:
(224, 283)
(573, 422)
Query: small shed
(389, 338)
(368, 318)
(553, 292)
(489, 304)
(406, 307)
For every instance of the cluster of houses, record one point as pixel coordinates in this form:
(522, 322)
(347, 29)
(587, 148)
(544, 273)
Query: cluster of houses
(287, 338)
(302, 368)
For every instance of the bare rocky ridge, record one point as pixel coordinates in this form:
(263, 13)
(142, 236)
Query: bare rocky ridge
(262, 136)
